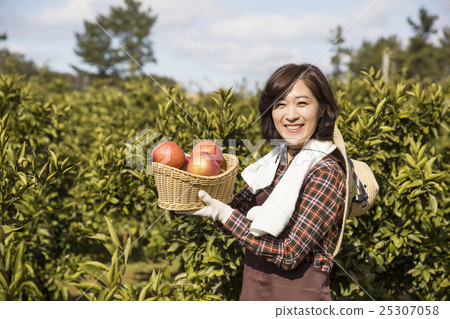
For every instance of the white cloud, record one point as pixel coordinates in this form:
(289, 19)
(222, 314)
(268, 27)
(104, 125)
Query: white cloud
(386, 17)
(16, 47)
(218, 39)
(172, 13)
(175, 13)
(66, 15)
(70, 14)
(238, 56)
(274, 27)
(258, 59)
(240, 43)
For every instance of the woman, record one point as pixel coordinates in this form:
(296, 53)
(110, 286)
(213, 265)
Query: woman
(289, 213)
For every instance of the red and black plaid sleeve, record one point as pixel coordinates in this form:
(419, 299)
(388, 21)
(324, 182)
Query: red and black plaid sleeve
(312, 228)
(241, 201)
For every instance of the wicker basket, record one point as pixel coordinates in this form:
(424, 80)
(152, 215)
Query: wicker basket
(178, 189)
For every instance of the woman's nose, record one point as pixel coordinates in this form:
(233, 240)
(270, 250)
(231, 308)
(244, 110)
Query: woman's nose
(292, 113)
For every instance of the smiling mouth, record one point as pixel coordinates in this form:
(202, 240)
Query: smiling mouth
(294, 128)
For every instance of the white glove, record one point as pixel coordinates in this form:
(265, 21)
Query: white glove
(215, 209)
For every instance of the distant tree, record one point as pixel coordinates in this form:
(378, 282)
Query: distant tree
(130, 27)
(16, 63)
(423, 28)
(419, 58)
(337, 40)
(3, 36)
(423, 56)
(444, 53)
(370, 54)
(96, 48)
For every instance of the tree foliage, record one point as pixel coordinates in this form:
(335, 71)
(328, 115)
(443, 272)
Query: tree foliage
(370, 54)
(16, 63)
(337, 40)
(119, 43)
(420, 58)
(74, 215)
(424, 58)
(54, 203)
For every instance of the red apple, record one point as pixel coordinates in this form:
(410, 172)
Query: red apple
(202, 163)
(169, 153)
(210, 147)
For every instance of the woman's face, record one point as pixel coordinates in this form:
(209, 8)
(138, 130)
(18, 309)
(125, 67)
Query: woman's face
(296, 116)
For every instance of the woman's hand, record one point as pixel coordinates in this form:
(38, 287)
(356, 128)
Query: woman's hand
(215, 210)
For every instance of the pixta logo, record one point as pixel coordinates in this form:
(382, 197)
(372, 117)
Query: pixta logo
(139, 149)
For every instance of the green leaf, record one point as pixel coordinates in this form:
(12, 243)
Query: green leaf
(18, 258)
(433, 204)
(421, 151)
(42, 170)
(144, 291)
(127, 249)
(413, 145)
(418, 192)
(96, 264)
(5, 120)
(434, 176)
(51, 177)
(414, 237)
(22, 177)
(95, 271)
(116, 278)
(99, 236)
(398, 241)
(110, 294)
(135, 174)
(87, 285)
(17, 280)
(410, 160)
(380, 106)
(114, 201)
(54, 158)
(3, 138)
(415, 183)
(11, 157)
(112, 232)
(173, 247)
(101, 296)
(445, 283)
(30, 285)
(64, 163)
(21, 152)
(3, 281)
(422, 256)
(426, 275)
(110, 276)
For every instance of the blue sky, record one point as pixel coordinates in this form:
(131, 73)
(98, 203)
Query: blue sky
(211, 43)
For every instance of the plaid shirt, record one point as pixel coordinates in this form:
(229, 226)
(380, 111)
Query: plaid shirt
(313, 230)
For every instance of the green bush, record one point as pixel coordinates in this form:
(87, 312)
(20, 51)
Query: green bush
(397, 250)
(57, 235)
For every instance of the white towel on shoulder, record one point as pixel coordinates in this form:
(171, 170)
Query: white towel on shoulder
(273, 216)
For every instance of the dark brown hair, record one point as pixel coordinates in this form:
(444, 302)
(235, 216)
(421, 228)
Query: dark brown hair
(280, 84)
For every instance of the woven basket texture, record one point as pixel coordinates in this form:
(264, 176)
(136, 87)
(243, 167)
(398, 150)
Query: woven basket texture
(178, 189)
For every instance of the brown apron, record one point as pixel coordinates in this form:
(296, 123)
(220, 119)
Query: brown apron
(263, 280)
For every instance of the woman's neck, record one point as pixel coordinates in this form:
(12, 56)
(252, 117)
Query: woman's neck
(291, 152)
